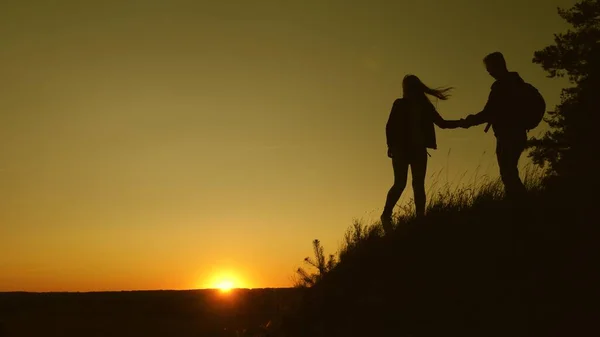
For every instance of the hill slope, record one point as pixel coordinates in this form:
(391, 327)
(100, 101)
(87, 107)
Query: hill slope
(478, 268)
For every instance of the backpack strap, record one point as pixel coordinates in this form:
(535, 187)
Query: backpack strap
(487, 127)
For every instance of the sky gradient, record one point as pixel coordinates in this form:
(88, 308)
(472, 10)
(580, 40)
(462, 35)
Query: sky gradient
(162, 144)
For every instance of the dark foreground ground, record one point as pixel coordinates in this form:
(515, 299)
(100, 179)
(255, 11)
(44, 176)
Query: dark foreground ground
(141, 313)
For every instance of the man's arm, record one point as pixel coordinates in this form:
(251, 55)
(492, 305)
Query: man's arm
(487, 114)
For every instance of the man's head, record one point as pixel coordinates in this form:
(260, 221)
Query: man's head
(495, 64)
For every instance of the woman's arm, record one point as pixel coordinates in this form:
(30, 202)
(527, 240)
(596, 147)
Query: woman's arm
(444, 124)
(391, 132)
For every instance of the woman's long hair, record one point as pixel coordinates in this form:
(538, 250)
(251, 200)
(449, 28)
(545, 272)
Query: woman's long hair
(413, 87)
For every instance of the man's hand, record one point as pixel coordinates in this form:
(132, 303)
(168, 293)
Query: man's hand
(390, 153)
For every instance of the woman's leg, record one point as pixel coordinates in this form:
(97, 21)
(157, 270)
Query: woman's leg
(400, 166)
(418, 168)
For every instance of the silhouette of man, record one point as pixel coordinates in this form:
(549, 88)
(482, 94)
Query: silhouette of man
(511, 138)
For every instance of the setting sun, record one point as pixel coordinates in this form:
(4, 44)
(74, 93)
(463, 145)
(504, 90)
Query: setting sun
(225, 285)
(225, 281)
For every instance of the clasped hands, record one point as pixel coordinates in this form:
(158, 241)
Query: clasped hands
(461, 123)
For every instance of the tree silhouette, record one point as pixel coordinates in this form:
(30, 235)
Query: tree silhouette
(321, 263)
(569, 148)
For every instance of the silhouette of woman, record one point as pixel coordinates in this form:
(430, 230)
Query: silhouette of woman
(410, 132)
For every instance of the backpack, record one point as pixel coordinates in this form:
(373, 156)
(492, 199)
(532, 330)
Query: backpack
(531, 107)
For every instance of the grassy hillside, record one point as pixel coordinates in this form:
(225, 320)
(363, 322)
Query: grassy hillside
(475, 266)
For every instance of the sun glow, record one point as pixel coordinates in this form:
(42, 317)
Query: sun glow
(225, 282)
(225, 285)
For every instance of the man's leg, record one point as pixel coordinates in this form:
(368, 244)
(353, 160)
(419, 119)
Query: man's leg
(508, 153)
(418, 167)
(400, 166)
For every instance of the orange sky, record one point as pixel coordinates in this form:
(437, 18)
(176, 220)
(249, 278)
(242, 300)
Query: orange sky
(161, 144)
